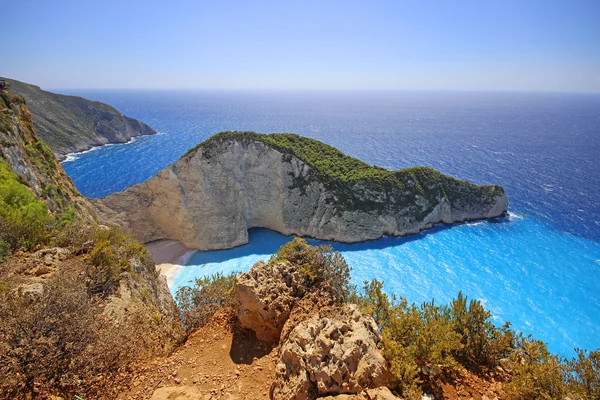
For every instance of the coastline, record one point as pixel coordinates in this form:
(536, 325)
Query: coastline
(169, 256)
(75, 155)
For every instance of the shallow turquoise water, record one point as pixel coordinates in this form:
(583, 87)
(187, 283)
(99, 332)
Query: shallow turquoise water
(539, 279)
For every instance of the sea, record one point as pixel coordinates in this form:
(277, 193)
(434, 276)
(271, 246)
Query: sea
(539, 267)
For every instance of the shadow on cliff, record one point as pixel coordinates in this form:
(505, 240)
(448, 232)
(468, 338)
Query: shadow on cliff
(264, 242)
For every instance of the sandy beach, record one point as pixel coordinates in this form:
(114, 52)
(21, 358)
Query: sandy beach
(170, 256)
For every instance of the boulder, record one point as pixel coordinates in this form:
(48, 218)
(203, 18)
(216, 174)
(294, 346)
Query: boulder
(265, 296)
(381, 393)
(330, 355)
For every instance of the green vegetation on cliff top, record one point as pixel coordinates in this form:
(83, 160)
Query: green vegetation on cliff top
(340, 172)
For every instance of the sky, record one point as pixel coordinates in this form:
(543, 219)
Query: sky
(524, 45)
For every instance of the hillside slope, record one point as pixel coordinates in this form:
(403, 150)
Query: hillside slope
(34, 162)
(235, 181)
(78, 301)
(70, 124)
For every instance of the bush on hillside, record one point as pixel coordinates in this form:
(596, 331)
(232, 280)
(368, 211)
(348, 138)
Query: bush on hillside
(59, 342)
(536, 373)
(583, 374)
(114, 253)
(417, 340)
(320, 264)
(422, 342)
(482, 343)
(24, 220)
(199, 303)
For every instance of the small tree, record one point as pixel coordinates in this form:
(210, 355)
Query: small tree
(199, 303)
(320, 264)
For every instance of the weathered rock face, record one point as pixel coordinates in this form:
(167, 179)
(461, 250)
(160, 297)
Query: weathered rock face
(265, 296)
(331, 355)
(212, 196)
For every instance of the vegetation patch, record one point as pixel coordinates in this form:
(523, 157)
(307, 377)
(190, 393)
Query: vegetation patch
(59, 342)
(198, 304)
(320, 264)
(24, 220)
(425, 343)
(111, 256)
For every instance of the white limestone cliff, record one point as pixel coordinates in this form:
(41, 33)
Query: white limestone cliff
(211, 197)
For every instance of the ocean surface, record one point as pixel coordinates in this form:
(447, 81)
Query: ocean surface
(538, 268)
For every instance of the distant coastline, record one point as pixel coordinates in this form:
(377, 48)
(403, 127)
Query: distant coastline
(74, 156)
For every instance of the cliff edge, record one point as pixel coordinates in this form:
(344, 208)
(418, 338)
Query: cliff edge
(235, 181)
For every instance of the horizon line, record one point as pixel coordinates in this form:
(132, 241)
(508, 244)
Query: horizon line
(539, 91)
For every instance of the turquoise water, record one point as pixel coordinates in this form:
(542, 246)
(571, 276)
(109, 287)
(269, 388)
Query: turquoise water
(539, 269)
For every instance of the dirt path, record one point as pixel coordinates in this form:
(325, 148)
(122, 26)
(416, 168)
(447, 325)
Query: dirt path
(218, 363)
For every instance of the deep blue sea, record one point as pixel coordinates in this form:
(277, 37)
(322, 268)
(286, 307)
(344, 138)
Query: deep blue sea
(538, 268)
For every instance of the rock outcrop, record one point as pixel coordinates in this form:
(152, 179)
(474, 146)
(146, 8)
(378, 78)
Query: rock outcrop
(265, 296)
(380, 393)
(294, 185)
(331, 355)
(70, 124)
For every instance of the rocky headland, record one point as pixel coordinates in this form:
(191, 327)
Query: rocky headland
(235, 181)
(72, 124)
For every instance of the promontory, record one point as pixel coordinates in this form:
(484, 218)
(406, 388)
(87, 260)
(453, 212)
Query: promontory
(295, 185)
(71, 124)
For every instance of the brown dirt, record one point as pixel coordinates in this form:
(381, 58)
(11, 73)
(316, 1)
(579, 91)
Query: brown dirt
(465, 385)
(220, 360)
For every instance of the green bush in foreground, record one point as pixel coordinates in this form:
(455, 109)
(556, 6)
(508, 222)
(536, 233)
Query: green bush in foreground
(114, 253)
(422, 343)
(24, 220)
(199, 303)
(320, 264)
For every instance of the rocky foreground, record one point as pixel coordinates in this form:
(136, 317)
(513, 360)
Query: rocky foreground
(284, 341)
(294, 185)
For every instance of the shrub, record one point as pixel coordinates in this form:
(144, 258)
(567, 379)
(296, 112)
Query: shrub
(58, 341)
(320, 264)
(77, 235)
(199, 303)
(113, 253)
(24, 220)
(583, 375)
(536, 374)
(417, 340)
(483, 344)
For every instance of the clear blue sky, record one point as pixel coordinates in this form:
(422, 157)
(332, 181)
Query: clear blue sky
(547, 45)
